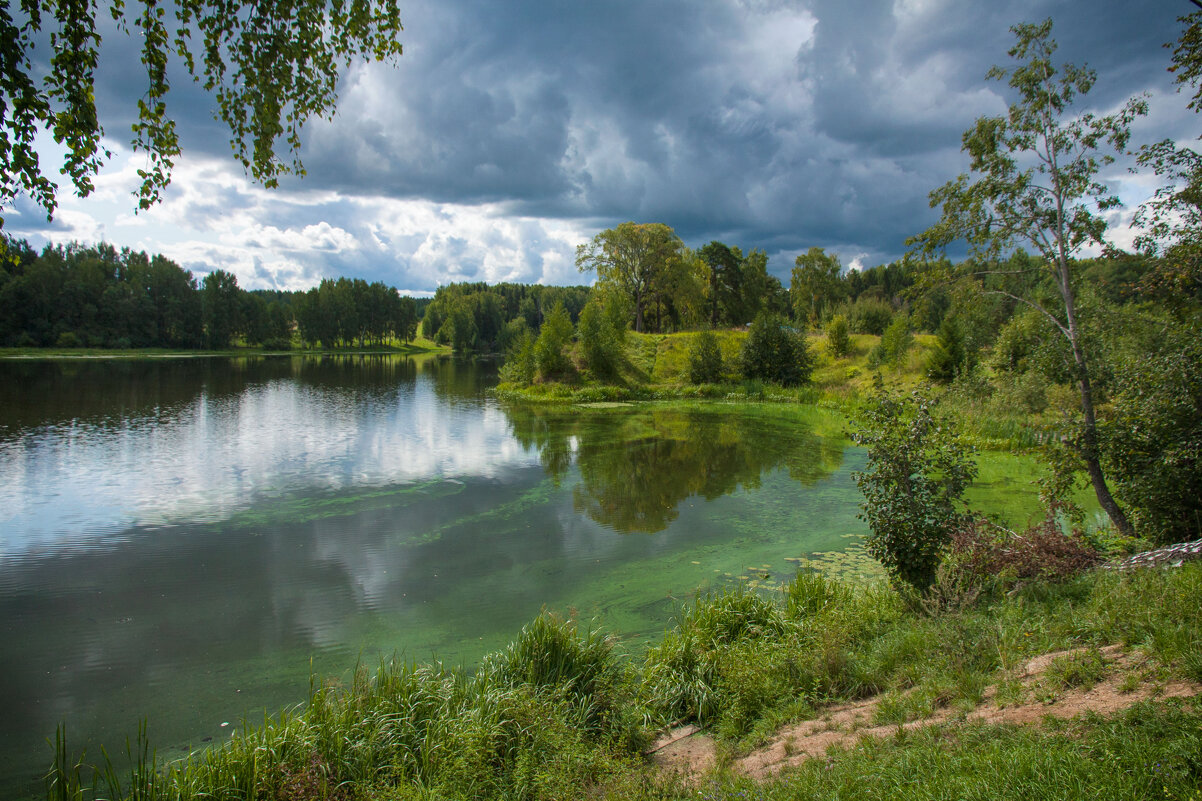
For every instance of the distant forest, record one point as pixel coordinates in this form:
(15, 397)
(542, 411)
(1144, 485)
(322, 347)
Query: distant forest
(101, 297)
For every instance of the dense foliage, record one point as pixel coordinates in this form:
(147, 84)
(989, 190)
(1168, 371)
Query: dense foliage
(98, 296)
(705, 359)
(270, 67)
(490, 318)
(913, 485)
(348, 312)
(773, 351)
(1153, 441)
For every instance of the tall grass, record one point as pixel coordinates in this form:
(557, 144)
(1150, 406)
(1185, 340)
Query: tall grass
(562, 713)
(555, 705)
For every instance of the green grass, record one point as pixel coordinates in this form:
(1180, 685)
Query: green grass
(1150, 751)
(562, 712)
(656, 368)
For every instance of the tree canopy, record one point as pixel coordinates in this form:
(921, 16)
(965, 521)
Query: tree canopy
(634, 260)
(269, 66)
(1035, 181)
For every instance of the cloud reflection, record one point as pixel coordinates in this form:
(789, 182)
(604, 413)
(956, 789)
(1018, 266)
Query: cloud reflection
(151, 443)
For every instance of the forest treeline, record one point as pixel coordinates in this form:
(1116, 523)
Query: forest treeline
(101, 297)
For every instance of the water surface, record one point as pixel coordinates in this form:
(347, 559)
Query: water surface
(187, 540)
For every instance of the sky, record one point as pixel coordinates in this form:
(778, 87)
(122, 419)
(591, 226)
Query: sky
(510, 132)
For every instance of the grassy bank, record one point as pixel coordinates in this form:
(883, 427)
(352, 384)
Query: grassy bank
(563, 712)
(994, 412)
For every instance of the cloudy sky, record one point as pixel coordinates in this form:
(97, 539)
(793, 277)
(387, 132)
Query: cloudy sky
(509, 132)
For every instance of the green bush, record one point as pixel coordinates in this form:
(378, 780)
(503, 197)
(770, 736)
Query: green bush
(520, 365)
(775, 352)
(895, 342)
(916, 474)
(1020, 393)
(602, 340)
(705, 359)
(1153, 440)
(550, 360)
(512, 334)
(837, 336)
(869, 316)
(67, 339)
(951, 356)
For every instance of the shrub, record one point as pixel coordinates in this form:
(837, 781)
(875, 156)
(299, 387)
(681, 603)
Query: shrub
(837, 336)
(512, 334)
(896, 341)
(549, 357)
(67, 339)
(1152, 445)
(1020, 392)
(950, 357)
(869, 316)
(917, 472)
(775, 352)
(1043, 551)
(602, 340)
(520, 366)
(705, 359)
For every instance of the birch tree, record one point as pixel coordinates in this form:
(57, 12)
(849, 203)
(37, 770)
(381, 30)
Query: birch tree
(1035, 180)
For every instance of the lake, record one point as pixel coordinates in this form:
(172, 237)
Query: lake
(188, 540)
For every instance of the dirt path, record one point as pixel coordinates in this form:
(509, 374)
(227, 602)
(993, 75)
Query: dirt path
(1026, 698)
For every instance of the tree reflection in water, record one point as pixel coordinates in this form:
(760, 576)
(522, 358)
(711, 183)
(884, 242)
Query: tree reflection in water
(637, 464)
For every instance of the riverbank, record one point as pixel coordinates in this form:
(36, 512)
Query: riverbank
(416, 347)
(994, 411)
(562, 712)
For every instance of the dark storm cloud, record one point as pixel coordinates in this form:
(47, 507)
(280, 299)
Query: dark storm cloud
(654, 110)
(766, 124)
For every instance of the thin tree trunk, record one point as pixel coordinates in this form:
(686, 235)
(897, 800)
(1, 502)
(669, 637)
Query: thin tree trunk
(713, 297)
(1089, 444)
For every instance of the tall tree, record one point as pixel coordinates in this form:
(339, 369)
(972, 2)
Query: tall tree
(815, 285)
(631, 259)
(1172, 221)
(222, 303)
(724, 284)
(270, 67)
(1035, 181)
(761, 291)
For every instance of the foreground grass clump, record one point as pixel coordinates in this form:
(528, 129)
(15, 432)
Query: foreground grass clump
(552, 712)
(744, 664)
(560, 713)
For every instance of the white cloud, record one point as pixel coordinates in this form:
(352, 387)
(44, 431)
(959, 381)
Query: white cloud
(505, 136)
